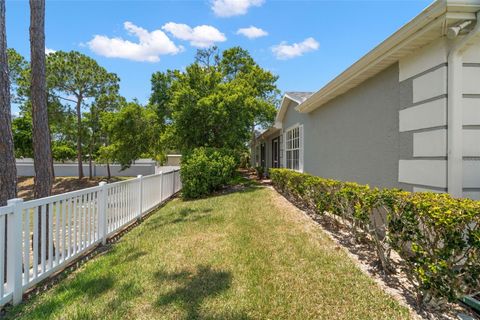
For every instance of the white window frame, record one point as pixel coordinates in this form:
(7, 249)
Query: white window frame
(293, 138)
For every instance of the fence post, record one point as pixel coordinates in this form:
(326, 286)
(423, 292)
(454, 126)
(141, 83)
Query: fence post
(102, 212)
(140, 195)
(161, 186)
(14, 251)
(174, 173)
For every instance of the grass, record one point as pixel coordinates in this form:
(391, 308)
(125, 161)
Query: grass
(243, 255)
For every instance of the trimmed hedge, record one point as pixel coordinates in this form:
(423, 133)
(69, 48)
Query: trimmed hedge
(438, 236)
(205, 170)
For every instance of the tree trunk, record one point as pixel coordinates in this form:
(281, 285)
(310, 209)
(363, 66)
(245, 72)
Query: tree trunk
(41, 132)
(90, 167)
(8, 170)
(42, 151)
(79, 138)
(53, 167)
(90, 151)
(252, 148)
(108, 171)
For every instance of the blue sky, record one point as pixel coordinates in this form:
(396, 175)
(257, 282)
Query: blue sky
(307, 42)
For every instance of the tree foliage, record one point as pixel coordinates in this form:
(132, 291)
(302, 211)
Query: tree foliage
(16, 67)
(79, 79)
(126, 133)
(22, 136)
(216, 102)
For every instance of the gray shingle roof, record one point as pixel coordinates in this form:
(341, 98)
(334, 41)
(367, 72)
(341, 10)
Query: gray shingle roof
(299, 96)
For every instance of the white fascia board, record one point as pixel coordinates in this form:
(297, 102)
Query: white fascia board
(283, 107)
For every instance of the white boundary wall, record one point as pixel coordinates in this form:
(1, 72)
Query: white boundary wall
(143, 166)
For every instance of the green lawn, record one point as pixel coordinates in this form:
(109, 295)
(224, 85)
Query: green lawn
(245, 255)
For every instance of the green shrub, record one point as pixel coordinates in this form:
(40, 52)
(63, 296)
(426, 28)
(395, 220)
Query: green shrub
(260, 172)
(437, 236)
(205, 170)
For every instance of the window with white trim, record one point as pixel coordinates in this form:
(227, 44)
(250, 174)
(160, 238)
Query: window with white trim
(292, 149)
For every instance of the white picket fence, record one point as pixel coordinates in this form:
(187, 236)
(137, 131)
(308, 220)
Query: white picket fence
(68, 225)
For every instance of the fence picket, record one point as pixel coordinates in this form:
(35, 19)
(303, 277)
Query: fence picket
(57, 232)
(50, 236)
(35, 243)
(43, 237)
(26, 246)
(2, 256)
(64, 235)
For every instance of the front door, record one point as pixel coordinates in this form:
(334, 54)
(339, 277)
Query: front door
(276, 152)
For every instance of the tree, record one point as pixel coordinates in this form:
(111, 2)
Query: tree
(159, 110)
(216, 102)
(8, 170)
(61, 120)
(127, 134)
(104, 103)
(72, 74)
(162, 94)
(42, 152)
(22, 136)
(63, 151)
(17, 66)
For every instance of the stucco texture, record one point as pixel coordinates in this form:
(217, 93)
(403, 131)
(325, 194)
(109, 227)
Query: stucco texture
(355, 137)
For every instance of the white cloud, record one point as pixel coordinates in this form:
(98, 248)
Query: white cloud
(285, 51)
(201, 36)
(150, 45)
(48, 51)
(252, 32)
(228, 8)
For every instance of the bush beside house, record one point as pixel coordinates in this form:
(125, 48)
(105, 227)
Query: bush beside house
(438, 236)
(205, 170)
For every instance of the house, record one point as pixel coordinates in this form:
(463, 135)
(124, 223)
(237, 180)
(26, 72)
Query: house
(405, 115)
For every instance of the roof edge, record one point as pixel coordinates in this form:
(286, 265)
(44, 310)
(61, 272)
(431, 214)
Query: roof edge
(428, 17)
(284, 106)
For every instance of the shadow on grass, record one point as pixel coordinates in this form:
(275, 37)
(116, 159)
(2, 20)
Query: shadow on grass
(126, 257)
(181, 216)
(81, 288)
(193, 288)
